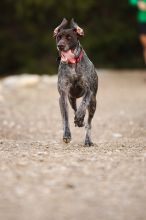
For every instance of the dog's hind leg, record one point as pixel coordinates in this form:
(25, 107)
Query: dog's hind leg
(73, 103)
(91, 111)
(64, 112)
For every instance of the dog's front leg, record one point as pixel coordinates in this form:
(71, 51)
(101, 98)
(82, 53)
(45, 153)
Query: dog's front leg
(80, 114)
(64, 112)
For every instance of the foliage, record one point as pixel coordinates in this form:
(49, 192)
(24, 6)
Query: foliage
(27, 45)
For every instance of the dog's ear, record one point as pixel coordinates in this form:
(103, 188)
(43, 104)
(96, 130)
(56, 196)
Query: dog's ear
(61, 26)
(76, 28)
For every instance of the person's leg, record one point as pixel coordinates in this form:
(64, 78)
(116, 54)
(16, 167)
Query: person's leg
(143, 42)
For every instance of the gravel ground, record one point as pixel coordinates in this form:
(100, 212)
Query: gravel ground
(43, 179)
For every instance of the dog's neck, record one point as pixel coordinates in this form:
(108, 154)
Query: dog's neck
(72, 56)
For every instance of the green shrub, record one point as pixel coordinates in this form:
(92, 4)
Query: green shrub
(27, 45)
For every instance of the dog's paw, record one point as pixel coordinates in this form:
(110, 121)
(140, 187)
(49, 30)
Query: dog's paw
(88, 144)
(67, 137)
(79, 120)
(66, 140)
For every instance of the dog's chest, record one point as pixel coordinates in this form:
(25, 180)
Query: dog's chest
(74, 74)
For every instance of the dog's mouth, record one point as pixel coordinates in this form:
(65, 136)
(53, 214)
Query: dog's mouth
(72, 55)
(67, 55)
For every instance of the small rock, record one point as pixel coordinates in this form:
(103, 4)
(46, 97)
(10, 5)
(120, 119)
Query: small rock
(70, 185)
(41, 160)
(116, 135)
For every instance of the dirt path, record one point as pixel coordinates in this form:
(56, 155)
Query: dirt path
(43, 179)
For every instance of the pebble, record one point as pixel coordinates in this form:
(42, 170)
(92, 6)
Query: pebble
(117, 135)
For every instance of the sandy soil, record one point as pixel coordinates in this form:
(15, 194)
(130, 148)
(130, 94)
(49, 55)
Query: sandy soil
(43, 179)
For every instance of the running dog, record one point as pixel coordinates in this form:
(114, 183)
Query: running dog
(77, 78)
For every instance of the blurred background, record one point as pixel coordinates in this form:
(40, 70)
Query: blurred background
(26, 34)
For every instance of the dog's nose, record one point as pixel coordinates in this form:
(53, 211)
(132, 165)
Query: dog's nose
(61, 46)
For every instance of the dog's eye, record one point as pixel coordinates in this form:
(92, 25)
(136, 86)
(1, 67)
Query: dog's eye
(68, 37)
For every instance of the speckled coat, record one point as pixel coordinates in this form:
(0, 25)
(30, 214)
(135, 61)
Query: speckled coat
(76, 80)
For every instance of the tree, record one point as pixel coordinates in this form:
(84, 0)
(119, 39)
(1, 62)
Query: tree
(26, 41)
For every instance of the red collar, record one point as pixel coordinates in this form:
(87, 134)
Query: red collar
(72, 59)
(79, 58)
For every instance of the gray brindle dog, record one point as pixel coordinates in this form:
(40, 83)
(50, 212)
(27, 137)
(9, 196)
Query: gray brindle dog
(77, 78)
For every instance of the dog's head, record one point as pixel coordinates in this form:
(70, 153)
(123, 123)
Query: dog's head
(67, 39)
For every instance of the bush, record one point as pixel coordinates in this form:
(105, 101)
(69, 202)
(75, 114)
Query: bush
(27, 45)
